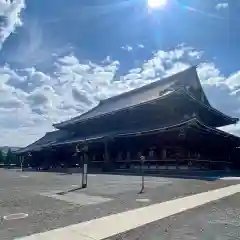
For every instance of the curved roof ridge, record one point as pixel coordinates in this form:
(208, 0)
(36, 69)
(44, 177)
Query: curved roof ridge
(122, 109)
(150, 85)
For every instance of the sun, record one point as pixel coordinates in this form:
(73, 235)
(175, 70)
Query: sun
(156, 3)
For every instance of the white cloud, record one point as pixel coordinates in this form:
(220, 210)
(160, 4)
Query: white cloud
(220, 6)
(209, 74)
(9, 17)
(234, 80)
(33, 100)
(127, 48)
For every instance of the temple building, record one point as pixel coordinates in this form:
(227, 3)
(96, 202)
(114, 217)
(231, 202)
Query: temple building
(169, 121)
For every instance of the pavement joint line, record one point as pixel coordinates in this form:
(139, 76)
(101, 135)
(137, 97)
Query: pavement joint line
(108, 226)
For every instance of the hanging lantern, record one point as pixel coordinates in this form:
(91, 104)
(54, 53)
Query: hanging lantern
(78, 148)
(181, 133)
(142, 158)
(85, 148)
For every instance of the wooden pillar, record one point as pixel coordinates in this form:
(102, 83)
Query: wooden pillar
(119, 156)
(107, 161)
(106, 153)
(128, 160)
(128, 156)
(164, 153)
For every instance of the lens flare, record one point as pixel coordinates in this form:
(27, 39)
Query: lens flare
(157, 3)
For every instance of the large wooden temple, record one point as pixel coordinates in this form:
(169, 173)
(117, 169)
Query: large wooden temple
(169, 121)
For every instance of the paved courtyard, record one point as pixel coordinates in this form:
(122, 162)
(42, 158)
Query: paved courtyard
(37, 195)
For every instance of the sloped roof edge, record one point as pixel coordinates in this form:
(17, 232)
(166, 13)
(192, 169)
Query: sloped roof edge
(55, 135)
(122, 109)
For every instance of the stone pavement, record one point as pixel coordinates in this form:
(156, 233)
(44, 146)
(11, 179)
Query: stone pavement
(120, 223)
(218, 220)
(35, 194)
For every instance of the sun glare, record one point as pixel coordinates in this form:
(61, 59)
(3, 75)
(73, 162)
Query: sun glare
(157, 3)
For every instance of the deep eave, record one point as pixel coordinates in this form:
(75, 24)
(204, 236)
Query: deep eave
(192, 123)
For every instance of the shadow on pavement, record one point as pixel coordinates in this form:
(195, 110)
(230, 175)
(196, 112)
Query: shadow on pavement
(70, 190)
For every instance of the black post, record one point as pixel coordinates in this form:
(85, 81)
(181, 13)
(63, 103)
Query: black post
(22, 158)
(85, 170)
(79, 152)
(107, 164)
(142, 158)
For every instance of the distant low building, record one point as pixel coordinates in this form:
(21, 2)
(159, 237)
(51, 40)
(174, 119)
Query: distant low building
(169, 121)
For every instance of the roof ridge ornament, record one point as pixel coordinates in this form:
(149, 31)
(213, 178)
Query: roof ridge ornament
(193, 122)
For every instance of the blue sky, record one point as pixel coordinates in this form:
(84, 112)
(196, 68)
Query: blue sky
(58, 58)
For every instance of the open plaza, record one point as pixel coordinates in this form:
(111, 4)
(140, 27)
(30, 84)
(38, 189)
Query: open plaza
(44, 205)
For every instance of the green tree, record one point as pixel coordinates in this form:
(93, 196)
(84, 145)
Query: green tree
(9, 157)
(14, 159)
(2, 158)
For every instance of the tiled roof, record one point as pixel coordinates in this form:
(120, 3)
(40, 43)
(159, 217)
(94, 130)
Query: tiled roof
(187, 78)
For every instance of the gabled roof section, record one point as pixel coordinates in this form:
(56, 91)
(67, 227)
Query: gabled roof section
(48, 138)
(187, 79)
